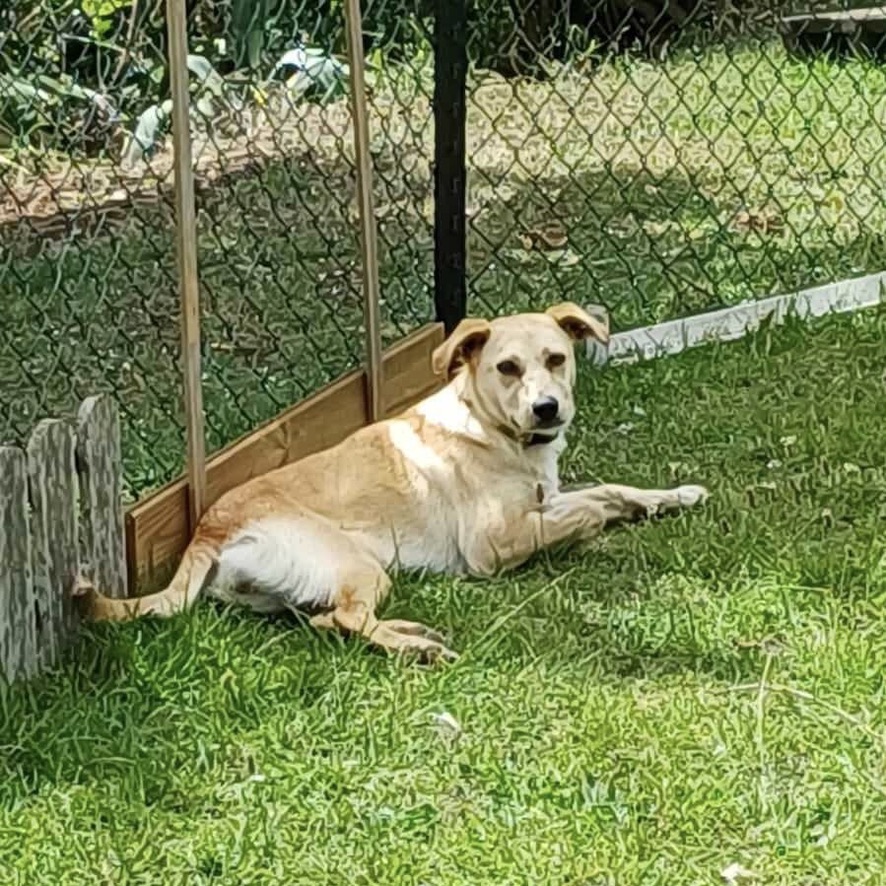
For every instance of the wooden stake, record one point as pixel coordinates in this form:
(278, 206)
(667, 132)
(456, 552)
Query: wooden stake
(368, 241)
(186, 239)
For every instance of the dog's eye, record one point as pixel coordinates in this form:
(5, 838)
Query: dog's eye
(556, 360)
(508, 367)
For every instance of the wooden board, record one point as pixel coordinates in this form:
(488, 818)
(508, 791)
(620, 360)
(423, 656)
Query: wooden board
(54, 534)
(101, 483)
(845, 20)
(158, 528)
(18, 638)
(843, 32)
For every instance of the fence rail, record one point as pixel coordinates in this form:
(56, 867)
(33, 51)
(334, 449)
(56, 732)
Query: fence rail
(60, 517)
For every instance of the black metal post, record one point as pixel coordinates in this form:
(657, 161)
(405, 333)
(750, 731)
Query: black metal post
(450, 176)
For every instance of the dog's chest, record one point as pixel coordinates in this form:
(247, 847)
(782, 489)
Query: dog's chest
(544, 470)
(426, 535)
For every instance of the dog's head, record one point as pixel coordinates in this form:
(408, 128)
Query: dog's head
(520, 370)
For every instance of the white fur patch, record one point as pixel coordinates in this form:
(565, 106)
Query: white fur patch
(413, 449)
(546, 460)
(427, 538)
(446, 410)
(285, 561)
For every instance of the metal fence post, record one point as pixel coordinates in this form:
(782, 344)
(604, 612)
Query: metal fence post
(450, 176)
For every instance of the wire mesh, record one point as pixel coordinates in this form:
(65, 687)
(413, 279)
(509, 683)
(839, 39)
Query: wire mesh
(661, 156)
(86, 231)
(667, 158)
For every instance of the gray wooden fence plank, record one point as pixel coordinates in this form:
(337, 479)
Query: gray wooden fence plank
(99, 462)
(18, 646)
(54, 534)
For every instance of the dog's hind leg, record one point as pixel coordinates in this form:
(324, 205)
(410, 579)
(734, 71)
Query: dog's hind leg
(361, 585)
(361, 588)
(306, 562)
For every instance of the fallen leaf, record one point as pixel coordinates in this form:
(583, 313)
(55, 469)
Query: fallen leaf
(446, 725)
(519, 255)
(764, 221)
(565, 258)
(545, 237)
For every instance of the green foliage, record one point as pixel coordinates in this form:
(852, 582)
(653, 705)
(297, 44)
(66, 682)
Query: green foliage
(314, 76)
(52, 110)
(101, 14)
(116, 48)
(71, 111)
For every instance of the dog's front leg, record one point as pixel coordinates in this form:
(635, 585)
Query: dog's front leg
(621, 503)
(510, 539)
(574, 515)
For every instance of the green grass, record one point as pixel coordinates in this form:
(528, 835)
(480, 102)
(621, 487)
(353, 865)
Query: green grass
(683, 695)
(704, 180)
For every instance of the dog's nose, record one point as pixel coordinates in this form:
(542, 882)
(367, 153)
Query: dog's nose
(545, 408)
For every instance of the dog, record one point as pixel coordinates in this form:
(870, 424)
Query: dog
(464, 482)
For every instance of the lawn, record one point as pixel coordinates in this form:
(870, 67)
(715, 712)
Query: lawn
(704, 180)
(685, 695)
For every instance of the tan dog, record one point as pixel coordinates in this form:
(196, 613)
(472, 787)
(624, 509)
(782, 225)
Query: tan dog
(465, 482)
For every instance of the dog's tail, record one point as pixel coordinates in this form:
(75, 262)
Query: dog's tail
(196, 570)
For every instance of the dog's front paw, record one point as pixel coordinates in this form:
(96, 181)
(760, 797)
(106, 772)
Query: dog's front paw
(688, 496)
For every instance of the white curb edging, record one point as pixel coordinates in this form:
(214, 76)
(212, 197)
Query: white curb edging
(728, 324)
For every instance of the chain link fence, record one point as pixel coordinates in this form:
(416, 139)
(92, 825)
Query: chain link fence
(662, 157)
(672, 158)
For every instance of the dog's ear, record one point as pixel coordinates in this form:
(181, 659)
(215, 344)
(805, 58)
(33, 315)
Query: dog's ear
(580, 324)
(466, 341)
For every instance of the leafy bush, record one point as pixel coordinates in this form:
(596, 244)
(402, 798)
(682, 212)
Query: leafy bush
(306, 72)
(92, 79)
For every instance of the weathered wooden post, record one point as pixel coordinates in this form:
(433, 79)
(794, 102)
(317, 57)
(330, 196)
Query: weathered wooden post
(55, 535)
(45, 491)
(18, 643)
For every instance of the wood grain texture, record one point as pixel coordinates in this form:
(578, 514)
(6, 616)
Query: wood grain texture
(845, 20)
(158, 528)
(186, 253)
(368, 232)
(52, 479)
(18, 638)
(100, 468)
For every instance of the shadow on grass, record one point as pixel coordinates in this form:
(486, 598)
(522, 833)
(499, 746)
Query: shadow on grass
(136, 703)
(124, 697)
(645, 604)
(577, 610)
(651, 248)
